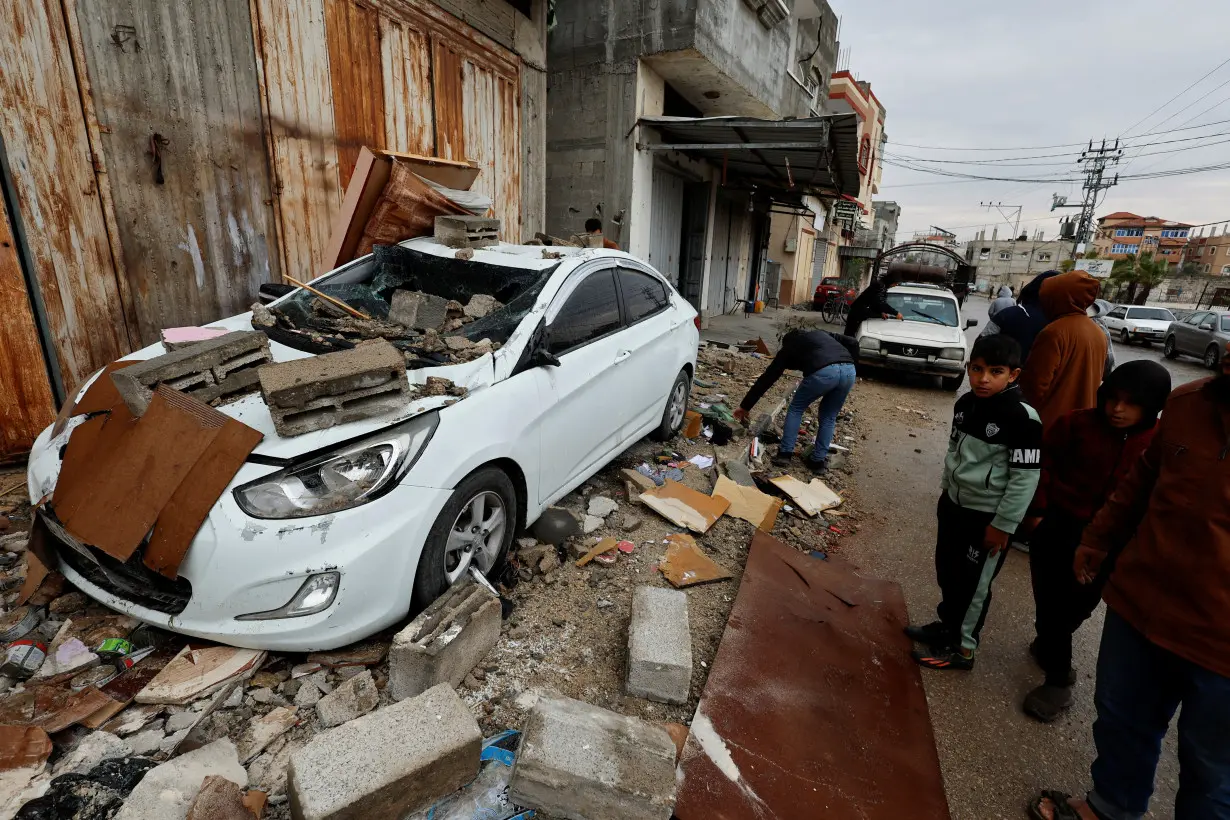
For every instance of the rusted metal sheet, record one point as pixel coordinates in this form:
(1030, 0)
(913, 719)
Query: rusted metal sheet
(352, 31)
(299, 116)
(406, 62)
(26, 403)
(178, 109)
(813, 707)
(57, 196)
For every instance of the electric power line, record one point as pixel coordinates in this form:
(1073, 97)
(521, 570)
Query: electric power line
(1128, 130)
(1048, 147)
(1007, 161)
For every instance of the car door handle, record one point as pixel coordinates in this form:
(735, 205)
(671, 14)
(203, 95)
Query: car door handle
(622, 356)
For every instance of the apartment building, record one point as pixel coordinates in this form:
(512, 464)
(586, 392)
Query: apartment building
(1122, 233)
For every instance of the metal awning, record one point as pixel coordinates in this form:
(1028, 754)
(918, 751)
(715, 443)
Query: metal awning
(817, 155)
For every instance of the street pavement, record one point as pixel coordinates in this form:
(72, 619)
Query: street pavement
(994, 758)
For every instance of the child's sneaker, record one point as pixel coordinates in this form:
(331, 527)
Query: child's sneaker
(947, 659)
(932, 634)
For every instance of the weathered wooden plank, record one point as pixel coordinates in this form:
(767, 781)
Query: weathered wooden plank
(533, 145)
(508, 158)
(26, 403)
(448, 83)
(179, 112)
(299, 117)
(406, 61)
(352, 31)
(57, 196)
(479, 114)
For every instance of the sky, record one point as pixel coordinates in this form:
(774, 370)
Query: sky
(1027, 76)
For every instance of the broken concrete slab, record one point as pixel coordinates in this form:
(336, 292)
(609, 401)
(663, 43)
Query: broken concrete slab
(445, 641)
(480, 305)
(739, 473)
(195, 673)
(601, 506)
(387, 764)
(167, 791)
(580, 761)
(417, 310)
(191, 368)
(659, 646)
(639, 479)
(93, 749)
(591, 523)
(354, 698)
(264, 730)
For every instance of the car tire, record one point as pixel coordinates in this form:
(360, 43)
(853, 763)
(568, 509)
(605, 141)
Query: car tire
(431, 577)
(1169, 349)
(1212, 357)
(1124, 337)
(952, 383)
(676, 408)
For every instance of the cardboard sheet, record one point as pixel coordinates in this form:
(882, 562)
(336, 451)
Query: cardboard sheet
(812, 498)
(195, 673)
(757, 508)
(605, 545)
(684, 565)
(685, 507)
(22, 746)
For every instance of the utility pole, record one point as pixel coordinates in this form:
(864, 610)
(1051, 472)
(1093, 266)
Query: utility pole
(1094, 162)
(1016, 229)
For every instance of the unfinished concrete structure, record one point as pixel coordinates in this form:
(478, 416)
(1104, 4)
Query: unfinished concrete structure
(445, 641)
(610, 64)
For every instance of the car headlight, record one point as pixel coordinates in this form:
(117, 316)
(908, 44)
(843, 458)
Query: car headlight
(341, 477)
(868, 343)
(955, 353)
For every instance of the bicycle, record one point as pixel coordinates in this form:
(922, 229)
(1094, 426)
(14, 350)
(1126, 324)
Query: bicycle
(836, 309)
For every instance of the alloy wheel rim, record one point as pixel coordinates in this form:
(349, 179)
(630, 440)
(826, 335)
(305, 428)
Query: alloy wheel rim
(476, 536)
(1210, 358)
(678, 404)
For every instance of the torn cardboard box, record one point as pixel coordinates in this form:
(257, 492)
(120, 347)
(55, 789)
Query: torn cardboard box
(685, 507)
(684, 565)
(812, 498)
(757, 508)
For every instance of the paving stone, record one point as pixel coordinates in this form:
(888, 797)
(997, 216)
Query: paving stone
(580, 761)
(659, 646)
(445, 641)
(390, 763)
(354, 698)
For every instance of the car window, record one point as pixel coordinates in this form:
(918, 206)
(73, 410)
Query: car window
(1151, 314)
(1208, 321)
(917, 307)
(1225, 323)
(1195, 318)
(643, 294)
(1117, 313)
(592, 310)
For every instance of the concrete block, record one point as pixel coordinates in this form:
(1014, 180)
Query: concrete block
(445, 641)
(467, 231)
(193, 369)
(387, 764)
(336, 388)
(659, 646)
(580, 762)
(418, 310)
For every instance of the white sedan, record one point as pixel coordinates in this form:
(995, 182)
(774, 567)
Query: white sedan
(929, 339)
(1138, 324)
(324, 538)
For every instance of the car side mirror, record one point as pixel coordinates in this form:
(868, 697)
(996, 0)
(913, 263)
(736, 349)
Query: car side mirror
(971, 323)
(541, 357)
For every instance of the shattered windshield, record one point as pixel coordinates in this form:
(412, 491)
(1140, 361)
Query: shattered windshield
(437, 310)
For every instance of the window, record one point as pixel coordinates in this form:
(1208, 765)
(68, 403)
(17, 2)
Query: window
(1130, 232)
(916, 307)
(1118, 248)
(1151, 314)
(1174, 233)
(1117, 313)
(1209, 268)
(1208, 321)
(643, 294)
(1225, 270)
(1225, 322)
(984, 254)
(1194, 319)
(1044, 256)
(1005, 256)
(1167, 251)
(1213, 251)
(592, 311)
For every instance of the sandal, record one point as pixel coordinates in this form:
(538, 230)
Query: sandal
(1061, 808)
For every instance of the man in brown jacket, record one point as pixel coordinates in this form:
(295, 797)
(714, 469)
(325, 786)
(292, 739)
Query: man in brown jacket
(1166, 641)
(1068, 357)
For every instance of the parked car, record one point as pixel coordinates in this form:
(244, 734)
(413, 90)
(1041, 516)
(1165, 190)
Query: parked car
(829, 287)
(1203, 334)
(1138, 324)
(930, 339)
(324, 538)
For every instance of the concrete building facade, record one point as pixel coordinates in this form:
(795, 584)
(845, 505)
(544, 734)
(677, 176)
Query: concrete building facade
(1013, 262)
(1122, 234)
(1211, 251)
(612, 64)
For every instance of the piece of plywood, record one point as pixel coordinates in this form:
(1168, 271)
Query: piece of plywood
(685, 507)
(195, 673)
(757, 508)
(22, 746)
(813, 498)
(605, 545)
(684, 565)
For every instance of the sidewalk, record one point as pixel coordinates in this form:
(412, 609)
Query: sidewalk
(733, 328)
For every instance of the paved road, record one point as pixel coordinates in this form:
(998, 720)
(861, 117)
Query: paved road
(994, 757)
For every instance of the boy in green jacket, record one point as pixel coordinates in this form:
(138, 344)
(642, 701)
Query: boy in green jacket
(990, 474)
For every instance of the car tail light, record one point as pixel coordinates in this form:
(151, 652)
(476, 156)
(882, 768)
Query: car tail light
(696, 321)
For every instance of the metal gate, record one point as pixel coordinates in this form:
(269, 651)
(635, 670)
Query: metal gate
(666, 214)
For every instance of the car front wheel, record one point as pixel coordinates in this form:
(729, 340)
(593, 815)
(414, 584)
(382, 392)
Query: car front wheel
(475, 528)
(1169, 350)
(1124, 337)
(676, 407)
(1212, 357)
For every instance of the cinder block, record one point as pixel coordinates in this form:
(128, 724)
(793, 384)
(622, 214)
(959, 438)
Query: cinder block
(580, 762)
(467, 231)
(659, 646)
(418, 310)
(335, 388)
(193, 369)
(389, 763)
(445, 641)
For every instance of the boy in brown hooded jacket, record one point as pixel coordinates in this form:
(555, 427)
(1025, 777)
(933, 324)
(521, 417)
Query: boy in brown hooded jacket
(1067, 360)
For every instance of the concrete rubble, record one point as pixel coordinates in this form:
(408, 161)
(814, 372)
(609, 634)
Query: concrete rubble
(580, 761)
(335, 388)
(659, 646)
(209, 370)
(417, 310)
(389, 763)
(354, 698)
(445, 641)
(167, 791)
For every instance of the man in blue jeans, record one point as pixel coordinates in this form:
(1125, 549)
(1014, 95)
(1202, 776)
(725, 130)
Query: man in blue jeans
(826, 361)
(1164, 539)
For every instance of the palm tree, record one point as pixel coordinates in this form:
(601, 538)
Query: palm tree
(1141, 274)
